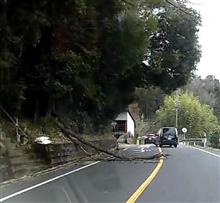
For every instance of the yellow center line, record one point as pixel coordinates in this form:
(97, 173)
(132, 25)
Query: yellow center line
(147, 182)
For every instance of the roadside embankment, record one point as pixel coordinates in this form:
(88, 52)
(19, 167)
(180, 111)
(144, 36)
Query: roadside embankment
(28, 158)
(60, 153)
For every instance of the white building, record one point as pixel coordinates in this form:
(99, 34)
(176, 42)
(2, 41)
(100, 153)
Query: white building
(125, 123)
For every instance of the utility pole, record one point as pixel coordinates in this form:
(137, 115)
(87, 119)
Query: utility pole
(177, 107)
(176, 117)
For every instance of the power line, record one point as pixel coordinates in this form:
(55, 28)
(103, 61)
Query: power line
(179, 8)
(167, 1)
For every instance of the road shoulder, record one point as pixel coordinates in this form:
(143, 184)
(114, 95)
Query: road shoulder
(16, 186)
(213, 151)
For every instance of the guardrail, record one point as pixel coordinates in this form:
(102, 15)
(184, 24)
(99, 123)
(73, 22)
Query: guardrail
(194, 141)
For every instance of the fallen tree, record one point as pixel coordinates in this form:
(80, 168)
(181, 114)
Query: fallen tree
(75, 138)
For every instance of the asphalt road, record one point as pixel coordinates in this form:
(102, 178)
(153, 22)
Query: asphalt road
(187, 175)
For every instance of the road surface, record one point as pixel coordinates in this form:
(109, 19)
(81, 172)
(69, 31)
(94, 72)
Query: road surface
(187, 175)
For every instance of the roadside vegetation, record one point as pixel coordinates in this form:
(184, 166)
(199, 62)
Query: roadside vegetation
(197, 104)
(84, 59)
(196, 117)
(83, 62)
(207, 90)
(214, 139)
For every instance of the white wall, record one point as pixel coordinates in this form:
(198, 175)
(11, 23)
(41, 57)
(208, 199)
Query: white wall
(130, 124)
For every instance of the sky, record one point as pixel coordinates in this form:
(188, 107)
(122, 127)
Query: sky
(209, 37)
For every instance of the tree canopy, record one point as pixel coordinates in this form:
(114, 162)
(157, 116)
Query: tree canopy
(207, 90)
(86, 57)
(174, 50)
(196, 117)
(149, 100)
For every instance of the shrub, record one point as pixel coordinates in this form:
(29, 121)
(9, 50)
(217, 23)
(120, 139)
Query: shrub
(214, 140)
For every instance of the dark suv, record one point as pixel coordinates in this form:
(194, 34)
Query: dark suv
(168, 136)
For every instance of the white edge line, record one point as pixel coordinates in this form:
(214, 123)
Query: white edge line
(206, 151)
(45, 182)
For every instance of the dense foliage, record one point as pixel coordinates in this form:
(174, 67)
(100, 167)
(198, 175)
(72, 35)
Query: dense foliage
(214, 139)
(149, 101)
(207, 90)
(85, 57)
(196, 117)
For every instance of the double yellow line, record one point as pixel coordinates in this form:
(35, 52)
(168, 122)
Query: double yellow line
(147, 182)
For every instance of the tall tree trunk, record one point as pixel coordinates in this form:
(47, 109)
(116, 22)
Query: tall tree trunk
(51, 106)
(37, 110)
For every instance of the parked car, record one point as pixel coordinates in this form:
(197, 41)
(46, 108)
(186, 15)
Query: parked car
(168, 136)
(151, 139)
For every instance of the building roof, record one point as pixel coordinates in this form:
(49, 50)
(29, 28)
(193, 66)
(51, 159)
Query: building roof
(123, 116)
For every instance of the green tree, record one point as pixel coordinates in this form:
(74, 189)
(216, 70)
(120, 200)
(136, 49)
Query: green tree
(207, 90)
(196, 117)
(149, 100)
(85, 57)
(174, 50)
(214, 139)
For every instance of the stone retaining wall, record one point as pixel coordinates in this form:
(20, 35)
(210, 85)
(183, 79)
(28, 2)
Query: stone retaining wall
(5, 171)
(59, 153)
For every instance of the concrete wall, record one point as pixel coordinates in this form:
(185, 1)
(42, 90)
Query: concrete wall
(56, 154)
(130, 124)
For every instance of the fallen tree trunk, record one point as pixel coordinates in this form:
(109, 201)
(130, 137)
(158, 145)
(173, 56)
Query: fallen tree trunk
(73, 137)
(154, 156)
